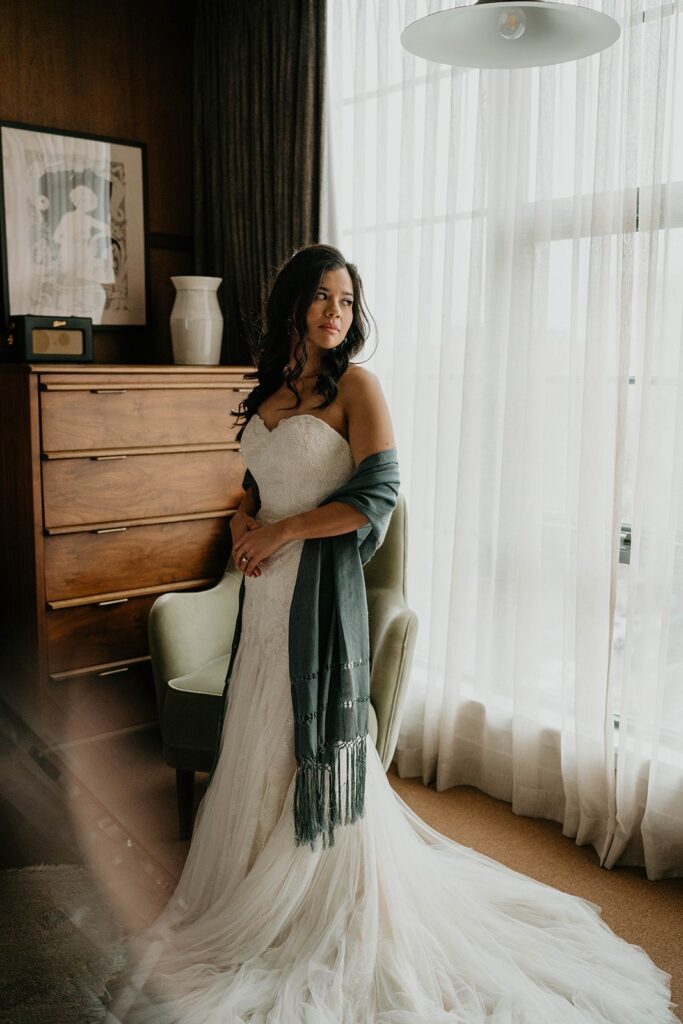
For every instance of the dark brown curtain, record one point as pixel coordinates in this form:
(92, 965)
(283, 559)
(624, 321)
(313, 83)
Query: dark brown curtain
(258, 148)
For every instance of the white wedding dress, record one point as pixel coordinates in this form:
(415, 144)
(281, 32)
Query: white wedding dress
(394, 924)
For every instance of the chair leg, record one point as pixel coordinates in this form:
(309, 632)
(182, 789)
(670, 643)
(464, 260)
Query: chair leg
(185, 791)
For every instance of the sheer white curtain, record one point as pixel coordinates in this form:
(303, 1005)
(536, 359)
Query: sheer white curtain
(520, 237)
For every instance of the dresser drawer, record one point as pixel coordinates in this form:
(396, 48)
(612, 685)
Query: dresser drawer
(91, 490)
(78, 564)
(101, 702)
(92, 634)
(114, 416)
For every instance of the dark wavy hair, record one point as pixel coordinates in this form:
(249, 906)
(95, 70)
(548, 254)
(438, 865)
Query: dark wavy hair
(292, 291)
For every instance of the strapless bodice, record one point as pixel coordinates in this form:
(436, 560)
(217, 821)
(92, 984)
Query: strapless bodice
(296, 464)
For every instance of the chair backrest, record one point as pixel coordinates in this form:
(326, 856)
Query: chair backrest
(387, 567)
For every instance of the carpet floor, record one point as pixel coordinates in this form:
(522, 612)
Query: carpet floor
(60, 945)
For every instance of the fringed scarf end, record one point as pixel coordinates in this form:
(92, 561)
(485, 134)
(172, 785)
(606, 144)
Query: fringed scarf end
(318, 803)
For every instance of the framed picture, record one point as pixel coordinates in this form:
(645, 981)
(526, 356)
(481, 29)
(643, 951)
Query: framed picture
(73, 226)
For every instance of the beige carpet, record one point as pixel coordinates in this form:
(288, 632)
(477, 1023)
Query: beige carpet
(649, 914)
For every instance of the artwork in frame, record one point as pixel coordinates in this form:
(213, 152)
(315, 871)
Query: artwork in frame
(73, 226)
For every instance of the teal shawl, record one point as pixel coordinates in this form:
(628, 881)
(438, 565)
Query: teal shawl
(329, 655)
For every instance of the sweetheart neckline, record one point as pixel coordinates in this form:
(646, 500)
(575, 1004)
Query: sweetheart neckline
(298, 416)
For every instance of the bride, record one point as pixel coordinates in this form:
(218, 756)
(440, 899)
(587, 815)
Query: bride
(312, 894)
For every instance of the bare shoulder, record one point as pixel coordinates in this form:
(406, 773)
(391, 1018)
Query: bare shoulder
(358, 383)
(367, 413)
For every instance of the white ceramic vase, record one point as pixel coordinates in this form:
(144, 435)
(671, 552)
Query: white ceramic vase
(196, 321)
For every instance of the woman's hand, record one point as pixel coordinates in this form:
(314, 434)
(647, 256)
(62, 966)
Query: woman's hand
(257, 544)
(240, 525)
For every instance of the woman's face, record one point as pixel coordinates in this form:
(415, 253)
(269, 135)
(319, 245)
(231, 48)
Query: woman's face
(330, 314)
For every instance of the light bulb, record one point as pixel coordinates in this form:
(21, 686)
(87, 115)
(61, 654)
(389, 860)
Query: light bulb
(511, 23)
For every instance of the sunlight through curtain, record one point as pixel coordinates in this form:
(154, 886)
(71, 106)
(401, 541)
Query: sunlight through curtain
(520, 237)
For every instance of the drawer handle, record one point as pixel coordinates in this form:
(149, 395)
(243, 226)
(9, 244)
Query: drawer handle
(117, 600)
(105, 458)
(108, 391)
(112, 529)
(113, 671)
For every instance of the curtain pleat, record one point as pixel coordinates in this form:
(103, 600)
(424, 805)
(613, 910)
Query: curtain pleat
(258, 148)
(520, 237)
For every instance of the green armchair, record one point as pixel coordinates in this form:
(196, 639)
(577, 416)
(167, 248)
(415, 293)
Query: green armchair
(190, 649)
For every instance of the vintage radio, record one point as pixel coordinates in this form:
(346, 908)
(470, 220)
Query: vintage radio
(47, 339)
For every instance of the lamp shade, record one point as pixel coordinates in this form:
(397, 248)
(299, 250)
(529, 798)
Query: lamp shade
(472, 36)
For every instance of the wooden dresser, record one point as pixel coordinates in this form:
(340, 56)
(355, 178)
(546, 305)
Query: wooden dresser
(118, 483)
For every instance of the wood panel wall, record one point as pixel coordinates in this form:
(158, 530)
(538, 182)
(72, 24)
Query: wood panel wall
(121, 69)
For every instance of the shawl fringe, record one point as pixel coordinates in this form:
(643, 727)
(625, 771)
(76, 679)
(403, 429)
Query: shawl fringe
(324, 795)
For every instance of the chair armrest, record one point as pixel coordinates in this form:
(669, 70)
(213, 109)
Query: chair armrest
(188, 629)
(393, 634)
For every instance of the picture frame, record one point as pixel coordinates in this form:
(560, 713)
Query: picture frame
(74, 237)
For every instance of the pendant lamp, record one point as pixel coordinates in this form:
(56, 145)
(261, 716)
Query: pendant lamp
(501, 34)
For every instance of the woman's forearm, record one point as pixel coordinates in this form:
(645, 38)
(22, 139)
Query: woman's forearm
(326, 521)
(248, 502)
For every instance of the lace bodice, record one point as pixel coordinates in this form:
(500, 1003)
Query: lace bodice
(296, 465)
